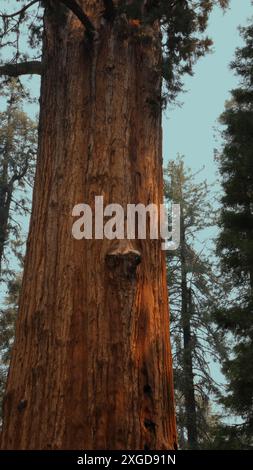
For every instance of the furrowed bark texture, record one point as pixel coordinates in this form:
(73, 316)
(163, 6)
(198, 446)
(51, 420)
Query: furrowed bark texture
(91, 366)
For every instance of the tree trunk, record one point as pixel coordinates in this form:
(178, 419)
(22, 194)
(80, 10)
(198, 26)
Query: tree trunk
(91, 366)
(189, 394)
(5, 202)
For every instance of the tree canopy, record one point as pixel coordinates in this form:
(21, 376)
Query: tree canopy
(183, 24)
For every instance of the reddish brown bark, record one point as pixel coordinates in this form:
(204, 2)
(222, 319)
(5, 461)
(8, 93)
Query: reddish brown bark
(91, 366)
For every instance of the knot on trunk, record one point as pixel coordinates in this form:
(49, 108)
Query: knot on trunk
(123, 260)
(22, 405)
(150, 425)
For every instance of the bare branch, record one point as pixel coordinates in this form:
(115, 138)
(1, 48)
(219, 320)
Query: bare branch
(71, 4)
(3, 15)
(23, 68)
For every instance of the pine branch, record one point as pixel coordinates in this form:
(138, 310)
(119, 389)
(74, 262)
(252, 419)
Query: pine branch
(22, 68)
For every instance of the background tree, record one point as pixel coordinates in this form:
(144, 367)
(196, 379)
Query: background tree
(194, 289)
(92, 316)
(8, 315)
(18, 139)
(235, 245)
(18, 146)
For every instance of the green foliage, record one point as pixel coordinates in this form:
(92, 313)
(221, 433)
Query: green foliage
(183, 24)
(235, 243)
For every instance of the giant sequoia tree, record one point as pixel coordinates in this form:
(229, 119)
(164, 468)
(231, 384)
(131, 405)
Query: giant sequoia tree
(91, 364)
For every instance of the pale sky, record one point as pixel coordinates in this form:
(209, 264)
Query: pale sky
(189, 130)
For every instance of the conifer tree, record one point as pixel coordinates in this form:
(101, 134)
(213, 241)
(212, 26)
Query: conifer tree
(235, 245)
(194, 289)
(8, 315)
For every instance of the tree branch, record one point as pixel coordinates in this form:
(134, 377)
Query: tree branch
(78, 11)
(22, 68)
(20, 11)
(71, 5)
